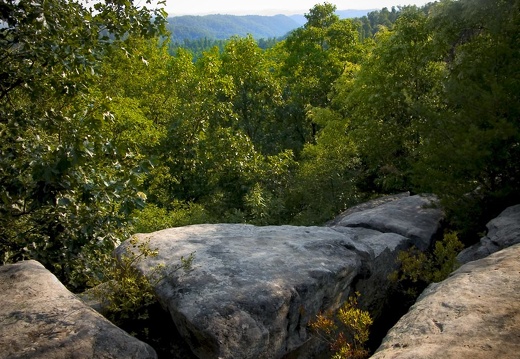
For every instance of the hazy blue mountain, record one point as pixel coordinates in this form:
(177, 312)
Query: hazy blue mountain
(224, 26)
(300, 19)
(350, 14)
(221, 27)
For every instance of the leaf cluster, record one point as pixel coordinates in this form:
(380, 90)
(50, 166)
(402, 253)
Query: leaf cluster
(122, 290)
(66, 184)
(346, 331)
(418, 269)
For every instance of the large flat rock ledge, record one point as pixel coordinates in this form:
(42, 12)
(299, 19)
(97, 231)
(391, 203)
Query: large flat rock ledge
(41, 319)
(253, 289)
(475, 313)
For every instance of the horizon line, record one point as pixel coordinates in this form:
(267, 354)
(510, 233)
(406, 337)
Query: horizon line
(266, 12)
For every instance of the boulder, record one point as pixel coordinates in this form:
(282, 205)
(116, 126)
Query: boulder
(387, 226)
(253, 290)
(376, 202)
(414, 217)
(475, 313)
(40, 318)
(503, 231)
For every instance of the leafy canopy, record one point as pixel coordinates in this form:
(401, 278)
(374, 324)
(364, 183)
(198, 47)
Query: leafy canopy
(65, 183)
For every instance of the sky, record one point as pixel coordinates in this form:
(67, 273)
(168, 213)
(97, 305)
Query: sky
(273, 7)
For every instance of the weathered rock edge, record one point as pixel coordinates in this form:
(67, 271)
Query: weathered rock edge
(40, 318)
(475, 313)
(503, 232)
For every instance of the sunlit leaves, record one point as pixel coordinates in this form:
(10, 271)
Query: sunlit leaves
(346, 331)
(65, 179)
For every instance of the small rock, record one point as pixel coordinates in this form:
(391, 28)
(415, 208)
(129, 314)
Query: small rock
(503, 231)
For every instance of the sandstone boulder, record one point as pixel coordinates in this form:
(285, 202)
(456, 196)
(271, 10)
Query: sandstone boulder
(475, 313)
(40, 318)
(253, 289)
(503, 231)
(387, 226)
(413, 217)
(376, 202)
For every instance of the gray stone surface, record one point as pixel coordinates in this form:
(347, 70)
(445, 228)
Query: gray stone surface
(253, 289)
(475, 313)
(503, 231)
(376, 202)
(40, 318)
(414, 217)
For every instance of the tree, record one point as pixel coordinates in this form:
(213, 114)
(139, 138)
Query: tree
(65, 186)
(316, 57)
(393, 94)
(327, 167)
(471, 156)
(257, 93)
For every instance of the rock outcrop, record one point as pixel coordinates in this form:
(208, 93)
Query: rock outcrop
(254, 289)
(388, 225)
(40, 318)
(503, 232)
(409, 216)
(475, 313)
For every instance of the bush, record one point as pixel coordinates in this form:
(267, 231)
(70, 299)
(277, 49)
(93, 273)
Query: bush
(124, 292)
(418, 269)
(153, 218)
(346, 331)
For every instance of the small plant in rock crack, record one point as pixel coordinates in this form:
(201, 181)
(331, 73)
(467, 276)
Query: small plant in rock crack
(418, 269)
(125, 292)
(346, 331)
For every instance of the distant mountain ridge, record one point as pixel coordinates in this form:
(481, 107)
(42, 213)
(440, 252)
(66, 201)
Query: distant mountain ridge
(221, 27)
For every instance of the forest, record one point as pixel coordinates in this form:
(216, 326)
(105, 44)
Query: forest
(106, 133)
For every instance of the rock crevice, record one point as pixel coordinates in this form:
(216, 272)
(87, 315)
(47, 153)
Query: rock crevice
(475, 313)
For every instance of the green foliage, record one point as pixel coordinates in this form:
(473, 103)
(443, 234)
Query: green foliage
(316, 57)
(152, 218)
(258, 93)
(196, 47)
(389, 99)
(418, 269)
(123, 291)
(471, 153)
(65, 183)
(445, 254)
(376, 20)
(327, 167)
(346, 331)
(96, 117)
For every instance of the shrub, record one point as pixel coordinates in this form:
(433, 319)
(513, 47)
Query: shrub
(125, 293)
(418, 269)
(153, 218)
(346, 331)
